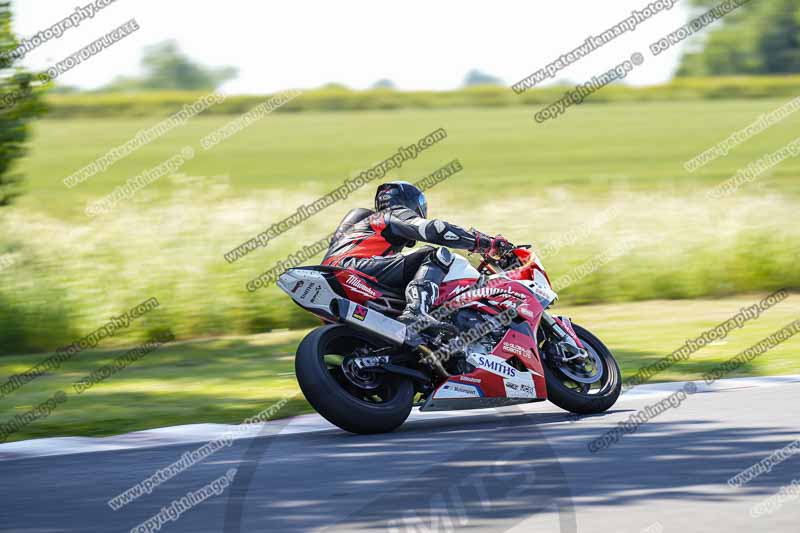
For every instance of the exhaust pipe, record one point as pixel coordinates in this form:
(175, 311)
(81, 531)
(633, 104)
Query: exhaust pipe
(369, 320)
(384, 327)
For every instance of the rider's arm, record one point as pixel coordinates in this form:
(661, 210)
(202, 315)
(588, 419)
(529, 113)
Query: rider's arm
(404, 223)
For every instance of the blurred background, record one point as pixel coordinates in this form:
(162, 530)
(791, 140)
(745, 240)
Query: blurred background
(612, 171)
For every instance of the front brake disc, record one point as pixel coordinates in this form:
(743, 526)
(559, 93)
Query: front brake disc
(589, 371)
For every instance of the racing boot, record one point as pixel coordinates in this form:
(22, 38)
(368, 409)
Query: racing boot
(421, 293)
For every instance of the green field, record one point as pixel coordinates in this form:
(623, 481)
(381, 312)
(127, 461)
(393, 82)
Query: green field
(228, 379)
(532, 182)
(603, 147)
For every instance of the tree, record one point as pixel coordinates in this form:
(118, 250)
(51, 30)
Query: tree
(757, 38)
(384, 84)
(476, 77)
(167, 67)
(19, 105)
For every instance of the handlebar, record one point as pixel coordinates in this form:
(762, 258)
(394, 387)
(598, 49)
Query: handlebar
(496, 265)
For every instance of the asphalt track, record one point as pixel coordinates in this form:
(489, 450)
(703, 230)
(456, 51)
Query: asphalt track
(512, 469)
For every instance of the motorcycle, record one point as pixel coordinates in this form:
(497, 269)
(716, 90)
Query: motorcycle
(488, 342)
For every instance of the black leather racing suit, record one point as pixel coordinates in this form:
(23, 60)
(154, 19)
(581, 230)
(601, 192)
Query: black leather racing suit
(370, 242)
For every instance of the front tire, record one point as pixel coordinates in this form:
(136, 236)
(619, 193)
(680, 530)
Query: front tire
(340, 402)
(582, 402)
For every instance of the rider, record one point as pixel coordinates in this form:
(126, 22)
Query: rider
(370, 242)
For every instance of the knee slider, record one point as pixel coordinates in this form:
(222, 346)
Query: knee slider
(443, 257)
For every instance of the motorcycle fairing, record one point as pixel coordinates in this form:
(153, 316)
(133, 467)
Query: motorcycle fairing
(520, 342)
(310, 289)
(493, 376)
(495, 382)
(492, 298)
(337, 283)
(356, 286)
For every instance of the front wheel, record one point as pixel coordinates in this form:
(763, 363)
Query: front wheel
(571, 387)
(355, 400)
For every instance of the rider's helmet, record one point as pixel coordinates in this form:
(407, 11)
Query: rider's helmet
(401, 193)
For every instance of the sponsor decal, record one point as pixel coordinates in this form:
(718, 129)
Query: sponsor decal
(316, 294)
(358, 285)
(360, 313)
(516, 349)
(496, 366)
(297, 286)
(467, 390)
(520, 387)
(454, 389)
(524, 311)
(471, 380)
(489, 292)
(518, 295)
(308, 289)
(543, 294)
(458, 290)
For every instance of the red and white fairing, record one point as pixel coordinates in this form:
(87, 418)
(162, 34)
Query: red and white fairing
(495, 382)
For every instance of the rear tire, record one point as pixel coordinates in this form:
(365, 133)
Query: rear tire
(330, 399)
(586, 404)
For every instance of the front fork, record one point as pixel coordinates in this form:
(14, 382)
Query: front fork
(567, 346)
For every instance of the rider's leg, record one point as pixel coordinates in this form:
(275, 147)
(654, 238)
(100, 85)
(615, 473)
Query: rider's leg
(420, 272)
(391, 271)
(423, 289)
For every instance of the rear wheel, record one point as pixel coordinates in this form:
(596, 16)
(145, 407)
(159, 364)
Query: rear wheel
(591, 386)
(355, 400)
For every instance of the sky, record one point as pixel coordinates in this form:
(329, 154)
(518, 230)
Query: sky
(308, 43)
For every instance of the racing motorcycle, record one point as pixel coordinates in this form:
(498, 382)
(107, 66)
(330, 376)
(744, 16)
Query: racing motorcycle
(488, 342)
